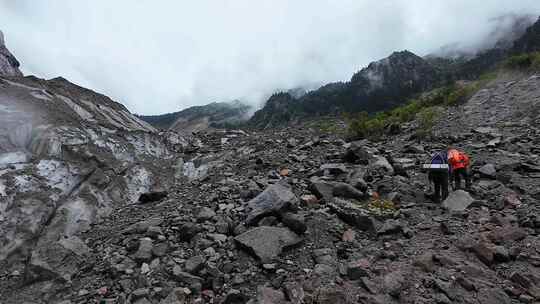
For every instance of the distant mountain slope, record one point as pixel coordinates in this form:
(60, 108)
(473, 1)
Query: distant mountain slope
(393, 80)
(520, 34)
(530, 41)
(213, 115)
(382, 84)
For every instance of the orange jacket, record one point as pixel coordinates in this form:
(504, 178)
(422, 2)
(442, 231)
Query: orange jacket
(458, 159)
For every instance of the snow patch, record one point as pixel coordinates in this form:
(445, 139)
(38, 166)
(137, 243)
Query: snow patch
(25, 183)
(2, 188)
(138, 182)
(57, 174)
(13, 158)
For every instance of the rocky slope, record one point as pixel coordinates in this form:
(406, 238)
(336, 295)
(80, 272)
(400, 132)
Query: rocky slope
(198, 118)
(290, 216)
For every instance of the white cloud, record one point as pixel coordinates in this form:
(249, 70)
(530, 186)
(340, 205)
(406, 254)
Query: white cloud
(162, 56)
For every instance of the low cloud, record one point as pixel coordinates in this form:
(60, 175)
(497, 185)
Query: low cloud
(162, 56)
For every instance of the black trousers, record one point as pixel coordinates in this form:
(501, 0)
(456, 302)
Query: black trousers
(440, 179)
(458, 174)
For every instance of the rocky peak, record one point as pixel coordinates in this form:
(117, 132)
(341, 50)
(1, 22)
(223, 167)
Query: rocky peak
(9, 66)
(399, 69)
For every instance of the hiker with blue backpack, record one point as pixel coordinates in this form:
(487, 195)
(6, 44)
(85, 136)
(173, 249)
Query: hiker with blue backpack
(444, 165)
(438, 174)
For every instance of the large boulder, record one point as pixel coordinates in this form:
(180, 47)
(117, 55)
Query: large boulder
(276, 199)
(360, 152)
(347, 191)
(322, 189)
(58, 260)
(267, 295)
(381, 166)
(458, 201)
(354, 215)
(268, 242)
(488, 170)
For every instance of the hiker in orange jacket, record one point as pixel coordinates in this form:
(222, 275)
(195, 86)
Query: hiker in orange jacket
(459, 163)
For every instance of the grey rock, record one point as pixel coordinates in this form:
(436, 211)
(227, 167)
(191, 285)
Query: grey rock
(394, 283)
(354, 215)
(488, 171)
(295, 222)
(185, 277)
(322, 189)
(140, 293)
(485, 252)
(381, 166)
(58, 260)
(235, 297)
(333, 169)
(401, 165)
(142, 226)
(268, 221)
(447, 288)
(294, 292)
(144, 253)
(360, 152)
(494, 295)
(414, 148)
(268, 242)
(194, 264)
(154, 231)
(177, 296)
(276, 199)
(347, 191)
(425, 262)
(324, 270)
(205, 214)
(359, 183)
(142, 301)
(267, 295)
(390, 226)
(458, 201)
(160, 249)
(358, 269)
(332, 294)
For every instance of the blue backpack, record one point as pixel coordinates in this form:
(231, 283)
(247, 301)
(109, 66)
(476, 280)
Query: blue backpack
(439, 158)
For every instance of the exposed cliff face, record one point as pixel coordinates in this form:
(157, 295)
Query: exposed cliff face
(68, 157)
(9, 66)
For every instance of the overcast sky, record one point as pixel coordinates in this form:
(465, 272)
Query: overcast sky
(162, 56)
